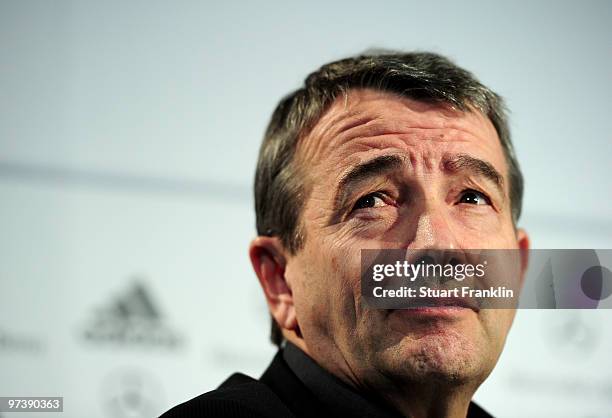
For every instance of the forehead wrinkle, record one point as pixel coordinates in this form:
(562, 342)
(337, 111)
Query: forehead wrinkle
(347, 120)
(310, 145)
(343, 114)
(407, 120)
(373, 127)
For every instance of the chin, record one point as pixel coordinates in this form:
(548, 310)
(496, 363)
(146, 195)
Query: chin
(445, 357)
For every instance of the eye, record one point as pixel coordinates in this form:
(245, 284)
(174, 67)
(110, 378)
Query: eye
(472, 197)
(372, 200)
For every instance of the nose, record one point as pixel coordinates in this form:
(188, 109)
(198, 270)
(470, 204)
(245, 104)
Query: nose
(433, 230)
(434, 240)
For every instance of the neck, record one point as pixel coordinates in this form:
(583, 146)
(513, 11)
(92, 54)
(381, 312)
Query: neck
(437, 398)
(422, 400)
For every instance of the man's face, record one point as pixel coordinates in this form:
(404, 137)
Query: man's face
(422, 194)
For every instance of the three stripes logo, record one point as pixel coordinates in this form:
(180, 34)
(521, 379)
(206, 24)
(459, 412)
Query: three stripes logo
(131, 318)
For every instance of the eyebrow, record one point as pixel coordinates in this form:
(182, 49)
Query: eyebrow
(373, 168)
(475, 166)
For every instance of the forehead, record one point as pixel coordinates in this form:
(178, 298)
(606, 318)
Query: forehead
(366, 122)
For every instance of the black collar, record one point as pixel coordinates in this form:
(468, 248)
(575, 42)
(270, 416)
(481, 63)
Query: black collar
(331, 390)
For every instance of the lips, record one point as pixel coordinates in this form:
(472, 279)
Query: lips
(447, 302)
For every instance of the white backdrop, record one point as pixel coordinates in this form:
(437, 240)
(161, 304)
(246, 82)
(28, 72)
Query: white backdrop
(128, 140)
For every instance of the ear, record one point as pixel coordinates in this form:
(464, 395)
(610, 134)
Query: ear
(268, 259)
(522, 240)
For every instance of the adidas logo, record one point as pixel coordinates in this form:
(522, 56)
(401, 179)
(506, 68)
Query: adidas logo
(131, 319)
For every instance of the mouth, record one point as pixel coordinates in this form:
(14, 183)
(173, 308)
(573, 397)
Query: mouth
(438, 307)
(446, 302)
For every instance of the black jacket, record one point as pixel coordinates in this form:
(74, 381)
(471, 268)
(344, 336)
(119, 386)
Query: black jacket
(280, 393)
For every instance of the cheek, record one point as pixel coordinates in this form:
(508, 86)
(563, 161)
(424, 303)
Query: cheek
(344, 300)
(342, 282)
(325, 290)
(483, 232)
(496, 325)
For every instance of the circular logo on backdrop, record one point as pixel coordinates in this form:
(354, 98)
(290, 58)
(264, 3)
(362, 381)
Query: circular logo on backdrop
(132, 393)
(571, 334)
